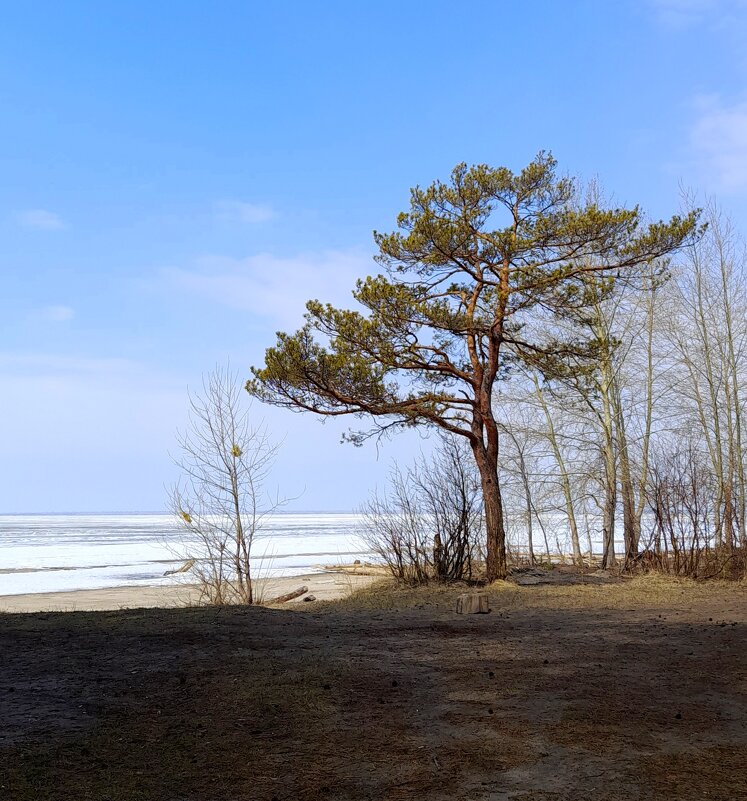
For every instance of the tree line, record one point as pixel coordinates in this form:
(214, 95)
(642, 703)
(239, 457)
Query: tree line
(582, 365)
(650, 441)
(510, 313)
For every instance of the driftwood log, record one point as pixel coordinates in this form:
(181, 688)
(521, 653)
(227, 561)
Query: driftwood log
(183, 569)
(472, 603)
(289, 596)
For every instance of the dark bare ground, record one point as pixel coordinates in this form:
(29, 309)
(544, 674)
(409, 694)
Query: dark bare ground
(633, 691)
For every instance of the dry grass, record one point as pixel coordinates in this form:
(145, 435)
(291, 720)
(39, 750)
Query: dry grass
(390, 595)
(636, 592)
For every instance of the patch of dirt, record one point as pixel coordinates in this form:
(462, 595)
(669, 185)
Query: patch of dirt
(533, 576)
(562, 693)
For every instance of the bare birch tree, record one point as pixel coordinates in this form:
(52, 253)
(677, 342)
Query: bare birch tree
(563, 474)
(708, 332)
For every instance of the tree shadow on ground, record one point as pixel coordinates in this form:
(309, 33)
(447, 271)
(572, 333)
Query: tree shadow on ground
(524, 703)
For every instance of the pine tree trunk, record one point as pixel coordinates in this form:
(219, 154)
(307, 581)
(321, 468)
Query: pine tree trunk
(495, 541)
(495, 559)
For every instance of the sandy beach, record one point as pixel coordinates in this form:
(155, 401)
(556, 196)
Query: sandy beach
(324, 586)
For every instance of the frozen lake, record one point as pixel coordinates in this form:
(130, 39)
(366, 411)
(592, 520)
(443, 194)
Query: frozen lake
(53, 553)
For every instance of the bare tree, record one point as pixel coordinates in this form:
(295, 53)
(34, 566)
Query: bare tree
(563, 474)
(220, 501)
(709, 337)
(520, 443)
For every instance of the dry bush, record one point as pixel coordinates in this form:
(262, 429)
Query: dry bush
(685, 539)
(428, 524)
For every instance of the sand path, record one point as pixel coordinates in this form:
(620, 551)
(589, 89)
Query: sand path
(324, 586)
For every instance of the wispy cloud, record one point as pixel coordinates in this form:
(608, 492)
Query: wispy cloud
(236, 211)
(686, 13)
(718, 142)
(272, 287)
(40, 219)
(55, 314)
(682, 12)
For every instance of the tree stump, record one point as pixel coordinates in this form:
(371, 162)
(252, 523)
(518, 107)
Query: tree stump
(472, 603)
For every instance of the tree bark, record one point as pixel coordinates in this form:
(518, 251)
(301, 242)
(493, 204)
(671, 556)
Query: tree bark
(631, 533)
(495, 564)
(610, 499)
(610, 460)
(528, 499)
(643, 476)
(495, 545)
(610, 502)
(723, 239)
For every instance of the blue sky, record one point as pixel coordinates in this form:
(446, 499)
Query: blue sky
(178, 178)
